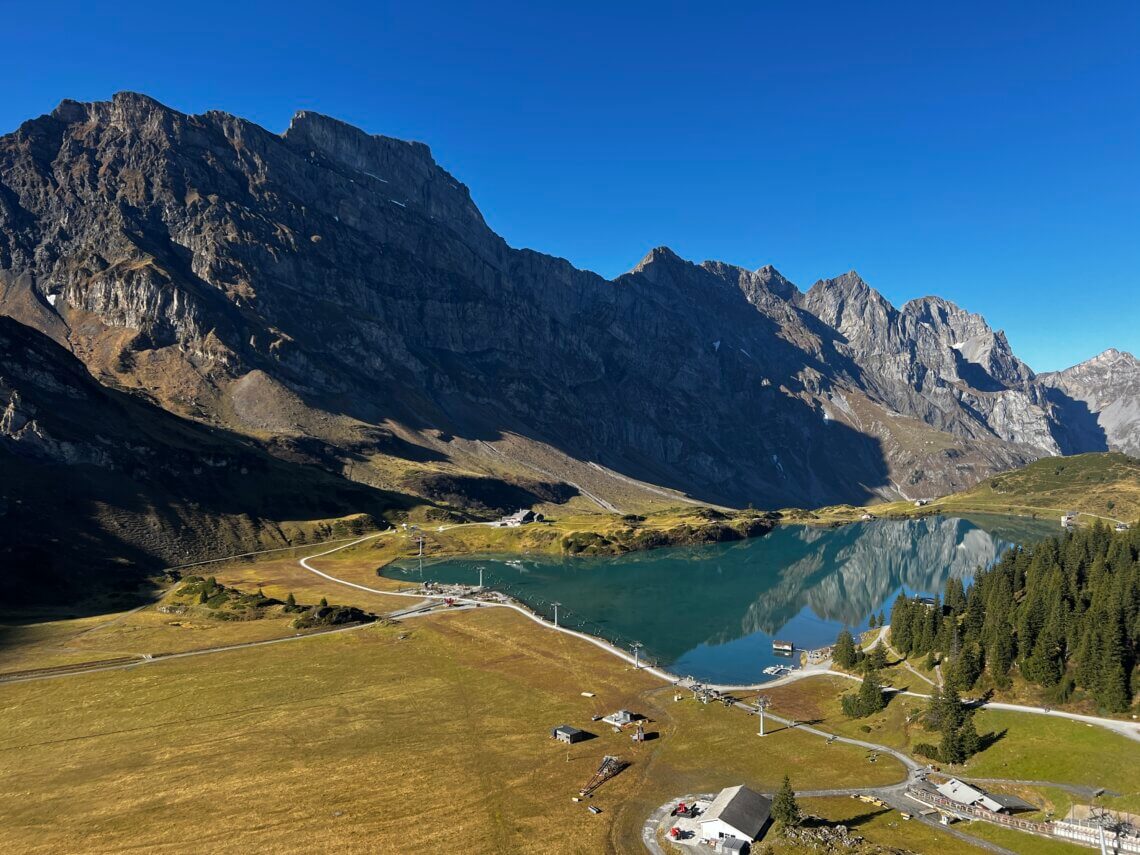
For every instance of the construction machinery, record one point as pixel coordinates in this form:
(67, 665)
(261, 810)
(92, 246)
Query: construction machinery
(684, 810)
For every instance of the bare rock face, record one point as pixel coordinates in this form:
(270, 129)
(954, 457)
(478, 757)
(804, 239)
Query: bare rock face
(1103, 397)
(339, 296)
(938, 363)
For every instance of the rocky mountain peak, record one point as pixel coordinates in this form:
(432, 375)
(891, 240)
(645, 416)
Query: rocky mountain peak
(849, 283)
(658, 255)
(354, 280)
(970, 335)
(663, 266)
(844, 290)
(1113, 356)
(349, 144)
(403, 173)
(1112, 363)
(850, 305)
(943, 314)
(774, 281)
(126, 111)
(765, 288)
(1105, 393)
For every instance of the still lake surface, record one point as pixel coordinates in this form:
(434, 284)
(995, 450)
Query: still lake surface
(713, 611)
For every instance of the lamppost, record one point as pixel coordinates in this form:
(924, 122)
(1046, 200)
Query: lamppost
(762, 703)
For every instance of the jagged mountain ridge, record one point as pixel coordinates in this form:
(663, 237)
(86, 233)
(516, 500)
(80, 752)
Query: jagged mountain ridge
(340, 295)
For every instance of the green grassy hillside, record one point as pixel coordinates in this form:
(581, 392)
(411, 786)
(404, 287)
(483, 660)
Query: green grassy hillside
(1104, 485)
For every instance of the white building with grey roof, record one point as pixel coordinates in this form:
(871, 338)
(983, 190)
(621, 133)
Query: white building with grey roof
(736, 812)
(968, 794)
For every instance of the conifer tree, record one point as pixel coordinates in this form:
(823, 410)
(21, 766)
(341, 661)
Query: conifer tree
(1112, 689)
(844, 651)
(871, 697)
(955, 596)
(900, 624)
(875, 659)
(785, 809)
(969, 743)
(950, 747)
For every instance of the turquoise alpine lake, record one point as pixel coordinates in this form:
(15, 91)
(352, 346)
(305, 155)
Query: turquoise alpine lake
(712, 612)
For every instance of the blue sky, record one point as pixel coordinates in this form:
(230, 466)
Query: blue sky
(987, 153)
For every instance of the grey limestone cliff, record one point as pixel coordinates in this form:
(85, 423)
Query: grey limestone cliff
(339, 296)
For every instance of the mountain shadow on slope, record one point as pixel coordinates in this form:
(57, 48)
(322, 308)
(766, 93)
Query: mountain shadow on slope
(1078, 429)
(356, 272)
(102, 488)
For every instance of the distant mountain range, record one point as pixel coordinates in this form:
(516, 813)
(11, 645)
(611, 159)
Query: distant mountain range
(335, 301)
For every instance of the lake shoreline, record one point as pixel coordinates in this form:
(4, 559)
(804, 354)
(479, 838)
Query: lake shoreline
(715, 610)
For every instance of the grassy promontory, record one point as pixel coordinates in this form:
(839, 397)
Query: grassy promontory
(578, 533)
(1099, 485)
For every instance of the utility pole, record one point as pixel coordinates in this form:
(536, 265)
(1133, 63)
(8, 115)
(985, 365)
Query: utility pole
(1099, 819)
(636, 646)
(762, 703)
(556, 605)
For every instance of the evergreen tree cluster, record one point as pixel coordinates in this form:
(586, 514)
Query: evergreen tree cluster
(1064, 613)
(847, 654)
(955, 721)
(868, 700)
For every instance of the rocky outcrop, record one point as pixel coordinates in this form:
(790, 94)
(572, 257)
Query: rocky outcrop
(938, 363)
(1101, 398)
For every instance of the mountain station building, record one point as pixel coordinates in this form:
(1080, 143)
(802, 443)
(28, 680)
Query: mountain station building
(737, 813)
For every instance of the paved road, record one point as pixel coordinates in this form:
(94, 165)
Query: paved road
(1130, 730)
(1076, 789)
(892, 795)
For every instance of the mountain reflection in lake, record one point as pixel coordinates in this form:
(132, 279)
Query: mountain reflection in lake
(712, 611)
